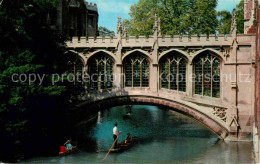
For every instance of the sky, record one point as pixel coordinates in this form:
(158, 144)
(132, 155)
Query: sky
(109, 10)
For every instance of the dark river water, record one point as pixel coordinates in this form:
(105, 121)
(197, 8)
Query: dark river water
(164, 137)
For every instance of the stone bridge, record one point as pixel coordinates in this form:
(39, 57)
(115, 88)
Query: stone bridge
(209, 78)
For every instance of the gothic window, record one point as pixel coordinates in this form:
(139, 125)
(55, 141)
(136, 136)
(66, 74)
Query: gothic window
(207, 75)
(101, 72)
(136, 68)
(173, 72)
(75, 71)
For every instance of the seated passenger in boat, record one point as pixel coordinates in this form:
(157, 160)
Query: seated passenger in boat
(68, 145)
(128, 138)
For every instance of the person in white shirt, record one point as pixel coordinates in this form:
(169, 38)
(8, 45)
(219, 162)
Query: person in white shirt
(115, 134)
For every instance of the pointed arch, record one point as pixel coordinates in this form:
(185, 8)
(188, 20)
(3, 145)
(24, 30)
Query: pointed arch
(81, 57)
(173, 66)
(100, 68)
(175, 50)
(207, 71)
(136, 67)
(138, 50)
(214, 52)
(110, 54)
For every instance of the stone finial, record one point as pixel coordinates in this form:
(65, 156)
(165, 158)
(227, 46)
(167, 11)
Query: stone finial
(155, 25)
(124, 29)
(119, 25)
(159, 27)
(234, 22)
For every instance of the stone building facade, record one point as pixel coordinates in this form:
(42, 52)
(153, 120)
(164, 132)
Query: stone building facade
(77, 18)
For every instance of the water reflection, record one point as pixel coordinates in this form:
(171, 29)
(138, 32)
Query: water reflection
(165, 137)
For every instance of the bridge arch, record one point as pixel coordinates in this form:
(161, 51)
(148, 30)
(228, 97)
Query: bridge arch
(138, 50)
(215, 52)
(189, 110)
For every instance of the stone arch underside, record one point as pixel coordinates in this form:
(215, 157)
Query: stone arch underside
(92, 107)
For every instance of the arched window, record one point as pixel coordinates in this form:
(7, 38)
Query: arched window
(173, 72)
(207, 75)
(136, 68)
(101, 72)
(75, 71)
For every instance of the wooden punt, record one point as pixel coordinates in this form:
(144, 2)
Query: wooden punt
(124, 146)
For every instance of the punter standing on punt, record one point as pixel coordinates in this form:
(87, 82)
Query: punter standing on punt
(115, 134)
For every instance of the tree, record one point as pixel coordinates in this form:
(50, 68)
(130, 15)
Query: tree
(28, 45)
(177, 17)
(240, 17)
(103, 31)
(224, 22)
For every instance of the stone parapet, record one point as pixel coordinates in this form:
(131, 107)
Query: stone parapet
(166, 41)
(91, 6)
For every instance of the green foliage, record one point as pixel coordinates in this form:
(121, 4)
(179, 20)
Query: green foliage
(103, 31)
(29, 45)
(177, 17)
(224, 22)
(240, 17)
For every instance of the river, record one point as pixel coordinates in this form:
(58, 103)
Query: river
(164, 137)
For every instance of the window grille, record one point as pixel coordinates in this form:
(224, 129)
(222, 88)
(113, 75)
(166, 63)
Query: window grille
(173, 72)
(207, 76)
(136, 69)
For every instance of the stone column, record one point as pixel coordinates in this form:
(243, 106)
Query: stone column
(190, 80)
(153, 83)
(118, 81)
